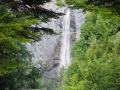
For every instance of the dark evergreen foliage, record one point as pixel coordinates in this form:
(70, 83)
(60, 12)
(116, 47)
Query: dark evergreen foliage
(18, 24)
(33, 7)
(108, 7)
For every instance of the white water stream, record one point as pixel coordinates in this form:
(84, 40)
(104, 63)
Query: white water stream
(65, 45)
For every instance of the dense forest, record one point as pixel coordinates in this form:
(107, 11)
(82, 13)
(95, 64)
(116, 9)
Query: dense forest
(96, 55)
(18, 26)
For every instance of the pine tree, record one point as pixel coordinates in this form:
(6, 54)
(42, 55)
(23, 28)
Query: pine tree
(18, 24)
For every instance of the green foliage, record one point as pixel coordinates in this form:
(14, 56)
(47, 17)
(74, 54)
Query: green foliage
(60, 3)
(46, 84)
(12, 33)
(106, 7)
(27, 76)
(19, 24)
(9, 62)
(95, 57)
(61, 74)
(95, 72)
(95, 26)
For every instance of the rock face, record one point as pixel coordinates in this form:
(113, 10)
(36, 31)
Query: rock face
(48, 49)
(72, 22)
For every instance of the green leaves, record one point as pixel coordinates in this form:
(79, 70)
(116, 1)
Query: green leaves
(18, 24)
(105, 7)
(95, 57)
(27, 76)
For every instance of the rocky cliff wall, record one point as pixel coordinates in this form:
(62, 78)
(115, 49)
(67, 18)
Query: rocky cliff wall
(48, 49)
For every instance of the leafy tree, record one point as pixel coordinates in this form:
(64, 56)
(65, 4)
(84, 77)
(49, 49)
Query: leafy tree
(104, 7)
(28, 75)
(46, 84)
(19, 24)
(95, 26)
(95, 59)
(95, 73)
(60, 3)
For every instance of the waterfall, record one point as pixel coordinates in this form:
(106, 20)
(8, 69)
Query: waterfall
(65, 45)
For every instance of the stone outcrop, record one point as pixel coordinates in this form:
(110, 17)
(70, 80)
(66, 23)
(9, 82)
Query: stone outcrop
(72, 22)
(48, 49)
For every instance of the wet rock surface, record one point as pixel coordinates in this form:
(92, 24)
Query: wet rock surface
(72, 22)
(48, 49)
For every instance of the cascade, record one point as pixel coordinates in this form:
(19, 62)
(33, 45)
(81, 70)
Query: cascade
(65, 45)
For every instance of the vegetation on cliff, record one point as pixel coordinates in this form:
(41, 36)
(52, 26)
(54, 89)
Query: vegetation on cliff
(96, 55)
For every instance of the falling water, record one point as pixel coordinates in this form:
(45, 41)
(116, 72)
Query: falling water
(65, 46)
